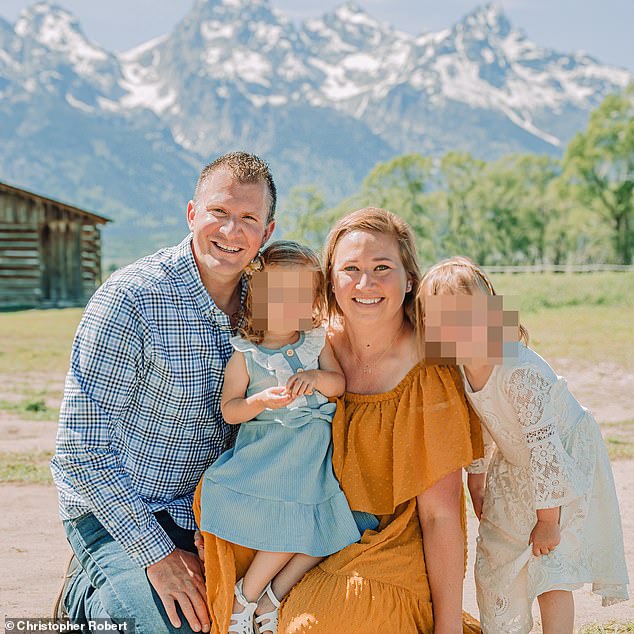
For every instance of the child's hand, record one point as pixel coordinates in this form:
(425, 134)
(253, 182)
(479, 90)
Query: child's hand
(275, 397)
(544, 537)
(477, 484)
(302, 383)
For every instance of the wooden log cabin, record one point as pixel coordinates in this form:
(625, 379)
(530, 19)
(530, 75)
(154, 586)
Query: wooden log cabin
(50, 252)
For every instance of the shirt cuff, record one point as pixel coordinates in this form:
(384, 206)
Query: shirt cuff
(150, 547)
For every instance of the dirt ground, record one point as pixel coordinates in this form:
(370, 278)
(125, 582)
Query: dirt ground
(34, 550)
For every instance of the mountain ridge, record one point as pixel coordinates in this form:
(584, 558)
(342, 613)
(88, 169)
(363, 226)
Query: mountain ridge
(323, 101)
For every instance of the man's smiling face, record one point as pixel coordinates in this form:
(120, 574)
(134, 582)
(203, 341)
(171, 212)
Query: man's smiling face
(228, 222)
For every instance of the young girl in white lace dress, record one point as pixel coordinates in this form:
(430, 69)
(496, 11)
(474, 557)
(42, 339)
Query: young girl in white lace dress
(549, 516)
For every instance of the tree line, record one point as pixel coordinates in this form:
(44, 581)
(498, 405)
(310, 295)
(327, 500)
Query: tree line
(520, 209)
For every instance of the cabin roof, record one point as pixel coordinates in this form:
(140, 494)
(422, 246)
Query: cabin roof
(5, 187)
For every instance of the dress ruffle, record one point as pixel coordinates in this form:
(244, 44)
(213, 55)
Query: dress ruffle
(433, 432)
(318, 529)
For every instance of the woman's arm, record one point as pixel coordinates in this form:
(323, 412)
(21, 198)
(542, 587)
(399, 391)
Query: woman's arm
(329, 379)
(235, 407)
(439, 512)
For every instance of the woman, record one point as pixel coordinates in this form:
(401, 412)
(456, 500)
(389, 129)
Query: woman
(401, 434)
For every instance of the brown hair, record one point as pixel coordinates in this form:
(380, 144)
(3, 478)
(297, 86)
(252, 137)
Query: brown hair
(283, 253)
(245, 168)
(374, 220)
(457, 275)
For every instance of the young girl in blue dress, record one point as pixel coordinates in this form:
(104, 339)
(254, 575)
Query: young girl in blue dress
(275, 490)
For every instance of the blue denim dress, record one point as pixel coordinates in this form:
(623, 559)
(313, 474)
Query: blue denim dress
(275, 490)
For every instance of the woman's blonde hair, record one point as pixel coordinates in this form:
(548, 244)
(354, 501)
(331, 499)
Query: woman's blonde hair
(454, 276)
(282, 253)
(374, 220)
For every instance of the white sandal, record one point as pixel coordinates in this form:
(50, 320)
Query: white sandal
(271, 618)
(243, 621)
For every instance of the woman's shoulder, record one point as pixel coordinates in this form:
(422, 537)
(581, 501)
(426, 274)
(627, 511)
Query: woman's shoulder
(423, 381)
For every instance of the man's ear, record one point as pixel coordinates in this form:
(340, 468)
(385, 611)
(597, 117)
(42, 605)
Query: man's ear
(268, 232)
(191, 214)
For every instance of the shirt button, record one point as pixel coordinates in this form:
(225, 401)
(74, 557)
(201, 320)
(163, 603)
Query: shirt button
(300, 370)
(290, 352)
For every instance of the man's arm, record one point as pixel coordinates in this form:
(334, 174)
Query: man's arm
(107, 365)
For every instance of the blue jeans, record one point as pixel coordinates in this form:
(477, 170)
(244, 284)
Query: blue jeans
(109, 585)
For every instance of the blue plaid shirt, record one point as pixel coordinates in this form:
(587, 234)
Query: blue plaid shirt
(141, 420)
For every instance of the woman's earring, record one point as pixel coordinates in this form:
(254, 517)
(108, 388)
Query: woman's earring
(408, 288)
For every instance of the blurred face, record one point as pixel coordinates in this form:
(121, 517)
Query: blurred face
(228, 222)
(368, 277)
(468, 329)
(283, 298)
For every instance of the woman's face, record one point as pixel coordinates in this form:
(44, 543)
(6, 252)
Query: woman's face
(368, 277)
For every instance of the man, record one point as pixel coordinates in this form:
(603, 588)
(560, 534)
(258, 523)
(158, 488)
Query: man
(141, 421)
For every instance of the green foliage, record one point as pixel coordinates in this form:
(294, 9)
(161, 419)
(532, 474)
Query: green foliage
(308, 219)
(520, 209)
(600, 162)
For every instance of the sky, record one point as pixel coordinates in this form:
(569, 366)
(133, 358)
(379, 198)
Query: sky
(601, 28)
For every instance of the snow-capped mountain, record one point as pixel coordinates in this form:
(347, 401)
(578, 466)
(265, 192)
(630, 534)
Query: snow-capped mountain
(125, 134)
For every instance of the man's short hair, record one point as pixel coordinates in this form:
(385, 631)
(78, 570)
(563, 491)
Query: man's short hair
(246, 168)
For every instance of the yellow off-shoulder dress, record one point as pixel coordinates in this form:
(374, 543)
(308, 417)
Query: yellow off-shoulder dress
(387, 449)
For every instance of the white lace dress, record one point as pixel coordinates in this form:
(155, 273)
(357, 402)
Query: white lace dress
(545, 450)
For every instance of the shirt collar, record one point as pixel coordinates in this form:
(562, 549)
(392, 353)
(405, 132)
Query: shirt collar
(185, 266)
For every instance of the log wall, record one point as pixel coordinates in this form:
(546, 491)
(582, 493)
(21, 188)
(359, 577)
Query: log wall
(50, 253)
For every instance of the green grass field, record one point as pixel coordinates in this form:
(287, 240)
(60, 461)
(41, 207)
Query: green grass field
(584, 316)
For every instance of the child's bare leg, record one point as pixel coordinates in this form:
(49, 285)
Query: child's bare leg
(286, 578)
(263, 568)
(557, 608)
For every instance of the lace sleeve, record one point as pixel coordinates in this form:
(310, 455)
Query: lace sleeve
(556, 478)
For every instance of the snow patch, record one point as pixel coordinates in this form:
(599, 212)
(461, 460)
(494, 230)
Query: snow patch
(77, 103)
(354, 15)
(361, 62)
(214, 30)
(248, 66)
(529, 127)
(271, 33)
(155, 96)
(139, 51)
(59, 31)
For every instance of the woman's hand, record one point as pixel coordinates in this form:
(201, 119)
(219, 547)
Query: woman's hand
(544, 537)
(199, 542)
(302, 383)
